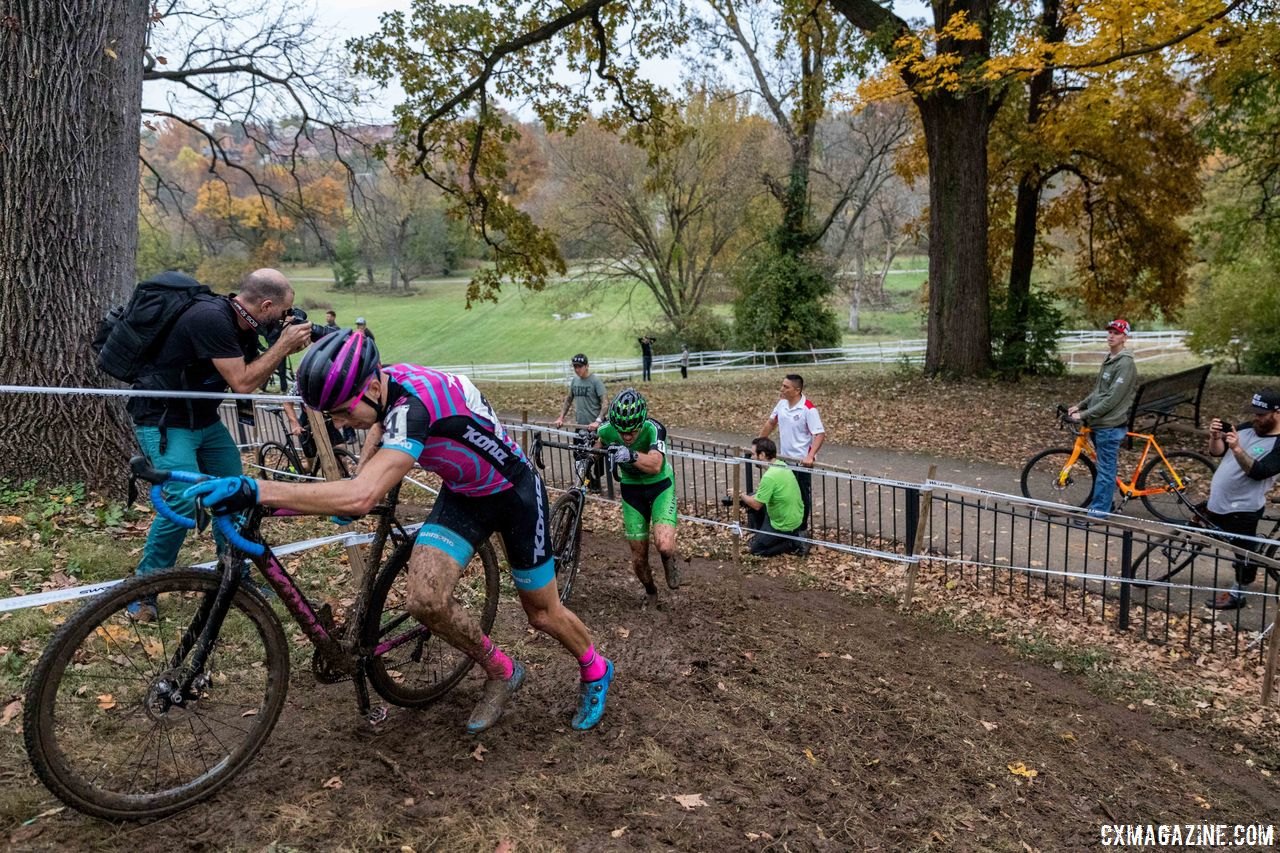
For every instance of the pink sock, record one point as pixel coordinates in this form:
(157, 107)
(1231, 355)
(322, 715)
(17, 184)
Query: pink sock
(495, 662)
(592, 665)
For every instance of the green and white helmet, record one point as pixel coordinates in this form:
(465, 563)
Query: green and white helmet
(628, 411)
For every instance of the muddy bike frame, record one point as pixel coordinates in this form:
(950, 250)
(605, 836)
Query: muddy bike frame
(335, 659)
(566, 515)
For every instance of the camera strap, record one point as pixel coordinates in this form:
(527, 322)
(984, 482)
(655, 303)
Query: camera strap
(243, 312)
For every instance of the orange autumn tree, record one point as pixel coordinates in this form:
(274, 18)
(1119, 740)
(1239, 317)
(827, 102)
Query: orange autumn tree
(959, 69)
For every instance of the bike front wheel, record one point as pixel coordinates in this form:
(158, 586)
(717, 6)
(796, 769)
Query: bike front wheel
(1047, 477)
(409, 666)
(106, 726)
(278, 462)
(566, 537)
(1172, 504)
(1162, 560)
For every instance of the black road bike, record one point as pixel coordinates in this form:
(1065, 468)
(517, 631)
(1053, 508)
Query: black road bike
(286, 462)
(566, 513)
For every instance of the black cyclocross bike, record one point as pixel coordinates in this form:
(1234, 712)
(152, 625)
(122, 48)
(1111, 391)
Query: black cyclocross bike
(566, 513)
(1163, 559)
(286, 460)
(127, 719)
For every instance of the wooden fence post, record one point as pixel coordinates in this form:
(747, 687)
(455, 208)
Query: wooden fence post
(329, 465)
(1269, 676)
(926, 507)
(737, 514)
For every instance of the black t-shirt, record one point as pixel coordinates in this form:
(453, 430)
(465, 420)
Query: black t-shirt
(205, 331)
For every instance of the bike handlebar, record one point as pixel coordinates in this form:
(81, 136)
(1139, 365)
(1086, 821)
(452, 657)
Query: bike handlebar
(143, 470)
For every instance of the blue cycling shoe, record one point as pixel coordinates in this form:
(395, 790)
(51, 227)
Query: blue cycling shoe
(496, 693)
(143, 610)
(591, 699)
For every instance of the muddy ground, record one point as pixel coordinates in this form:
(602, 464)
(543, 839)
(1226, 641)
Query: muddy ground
(754, 712)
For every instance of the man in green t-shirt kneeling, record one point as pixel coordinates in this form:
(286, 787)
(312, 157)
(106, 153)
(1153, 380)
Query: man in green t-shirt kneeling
(637, 446)
(776, 508)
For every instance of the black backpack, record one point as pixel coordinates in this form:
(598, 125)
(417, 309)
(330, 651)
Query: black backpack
(131, 335)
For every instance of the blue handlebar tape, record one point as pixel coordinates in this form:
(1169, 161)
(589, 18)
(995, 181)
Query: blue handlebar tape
(157, 500)
(223, 523)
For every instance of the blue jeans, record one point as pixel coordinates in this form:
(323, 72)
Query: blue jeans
(211, 451)
(1106, 442)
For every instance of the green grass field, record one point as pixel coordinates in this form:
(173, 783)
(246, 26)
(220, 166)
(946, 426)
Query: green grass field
(434, 326)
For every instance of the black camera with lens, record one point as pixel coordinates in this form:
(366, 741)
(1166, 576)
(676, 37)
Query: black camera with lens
(1227, 426)
(293, 317)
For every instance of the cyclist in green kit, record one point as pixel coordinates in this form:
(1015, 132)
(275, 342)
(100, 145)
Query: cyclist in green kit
(637, 447)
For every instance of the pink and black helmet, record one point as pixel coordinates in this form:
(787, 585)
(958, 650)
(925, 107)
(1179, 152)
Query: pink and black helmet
(336, 369)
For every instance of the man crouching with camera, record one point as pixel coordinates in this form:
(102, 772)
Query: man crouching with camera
(212, 346)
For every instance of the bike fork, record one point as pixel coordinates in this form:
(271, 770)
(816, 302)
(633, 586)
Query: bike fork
(374, 716)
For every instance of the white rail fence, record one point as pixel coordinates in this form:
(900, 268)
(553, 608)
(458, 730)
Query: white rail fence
(1078, 347)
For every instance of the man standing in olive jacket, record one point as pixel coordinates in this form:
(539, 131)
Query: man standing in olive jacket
(1106, 412)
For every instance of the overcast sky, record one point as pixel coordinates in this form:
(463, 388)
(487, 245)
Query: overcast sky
(351, 18)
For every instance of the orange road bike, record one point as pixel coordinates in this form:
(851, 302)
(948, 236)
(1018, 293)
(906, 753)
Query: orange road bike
(1168, 483)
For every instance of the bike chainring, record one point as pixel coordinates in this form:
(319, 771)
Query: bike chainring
(324, 670)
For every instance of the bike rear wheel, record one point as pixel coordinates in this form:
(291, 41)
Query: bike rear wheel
(415, 667)
(1162, 560)
(566, 537)
(1196, 472)
(100, 724)
(1046, 477)
(278, 462)
(347, 461)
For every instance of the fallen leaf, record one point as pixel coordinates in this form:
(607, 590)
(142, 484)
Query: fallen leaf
(106, 702)
(333, 782)
(617, 833)
(10, 711)
(689, 801)
(623, 632)
(505, 846)
(991, 727)
(808, 753)
(479, 751)
(749, 655)
(408, 801)
(1020, 769)
(252, 712)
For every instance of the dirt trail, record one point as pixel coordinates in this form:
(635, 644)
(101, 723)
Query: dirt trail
(802, 719)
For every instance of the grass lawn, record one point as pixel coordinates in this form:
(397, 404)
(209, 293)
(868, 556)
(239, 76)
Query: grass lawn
(434, 326)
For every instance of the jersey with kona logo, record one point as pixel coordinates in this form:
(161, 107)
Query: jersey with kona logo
(443, 421)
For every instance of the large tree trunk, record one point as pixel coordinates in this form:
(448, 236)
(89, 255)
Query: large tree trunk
(69, 125)
(1026, 219)
(956, 130)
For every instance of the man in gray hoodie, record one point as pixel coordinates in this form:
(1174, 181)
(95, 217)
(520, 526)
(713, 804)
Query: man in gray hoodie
(1106, 412)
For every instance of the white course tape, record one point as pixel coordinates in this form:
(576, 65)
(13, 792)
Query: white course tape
(130, 392)
(56, 596)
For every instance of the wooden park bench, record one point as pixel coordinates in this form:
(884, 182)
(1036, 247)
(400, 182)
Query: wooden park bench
(1172, 399)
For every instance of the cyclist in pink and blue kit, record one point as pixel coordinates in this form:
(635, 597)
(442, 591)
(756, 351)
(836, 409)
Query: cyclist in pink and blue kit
(440, 420)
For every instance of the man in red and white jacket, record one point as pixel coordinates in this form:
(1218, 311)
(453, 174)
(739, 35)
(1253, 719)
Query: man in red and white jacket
(800, 433)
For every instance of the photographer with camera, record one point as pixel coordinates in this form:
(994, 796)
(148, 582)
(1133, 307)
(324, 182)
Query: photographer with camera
(211, 347)
(776, 507)
(1238, 493)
